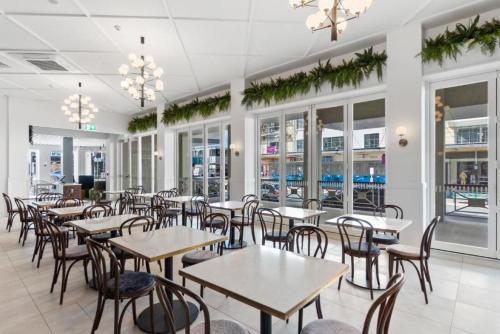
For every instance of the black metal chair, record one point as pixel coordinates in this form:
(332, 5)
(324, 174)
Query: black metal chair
(11, 211)
(249, 197)
(192, 210)
(275, 233)
(356, 239)
(400, 253)
(25, 218)
(312, 204)
(97, 211)
(123, 285)
(48, 196)
(120, 206)
(247, 218)
(316, 245)
(392, 211)
(133, 205)
(384, 304)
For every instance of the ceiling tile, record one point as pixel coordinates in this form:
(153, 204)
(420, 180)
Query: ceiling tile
(280, 11)
(29, 81)
(215, 70)
(221, 9)
(125, 7)
(22, 41)
(176, 86)
(261, 63)
(21, 93)
(97, 62)
(39, 6)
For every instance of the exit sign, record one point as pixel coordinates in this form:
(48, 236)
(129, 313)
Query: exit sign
(89, 127)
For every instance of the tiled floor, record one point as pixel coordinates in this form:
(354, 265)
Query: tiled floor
(466, 298)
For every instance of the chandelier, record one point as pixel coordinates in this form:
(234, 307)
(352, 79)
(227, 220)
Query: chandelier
(332, 14)
(79, 108)
(141, 78)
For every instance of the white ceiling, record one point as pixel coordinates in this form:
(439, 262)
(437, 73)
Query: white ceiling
(201, 44)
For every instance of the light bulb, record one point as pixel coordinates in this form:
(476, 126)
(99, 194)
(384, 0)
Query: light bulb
(149, 59)
(124, 84)
(158, 72)
(320, 18)
(151, 66)
(67, 101)
(139, 80)
(123, 70)
(85, 112)
(91, 116)
(74, 105)
(311, 22)
(146, 75)
(96, 109)
(356, 7)
(91, 105)
(64, 108)
(159, 85)
(132, 57)
(325, 5)
(67, 112)
(341, 24)
(140, 62)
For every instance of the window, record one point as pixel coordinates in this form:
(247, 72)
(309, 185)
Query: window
(300, 145)
(333, 143)
(471, 135)
(372, 140)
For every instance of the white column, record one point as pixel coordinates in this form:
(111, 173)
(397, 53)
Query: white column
(405, 107)
(167, 152)
(4, 150)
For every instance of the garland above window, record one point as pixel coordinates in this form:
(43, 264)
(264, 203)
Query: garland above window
(351, 72)
(450, 43)
(142, 123)
(204, 108)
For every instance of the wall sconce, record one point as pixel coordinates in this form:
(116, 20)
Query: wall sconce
(232, 147)
(401, 132)
(157, 154)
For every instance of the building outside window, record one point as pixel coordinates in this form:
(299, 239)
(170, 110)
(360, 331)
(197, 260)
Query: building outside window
(333, 143)
(471, 135)
(372, 140)
(300, 145)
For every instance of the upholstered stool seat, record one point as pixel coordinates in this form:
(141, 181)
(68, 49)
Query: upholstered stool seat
(385, 239)
(131, 283)
(276, 236)
(79, 252)
(197, 256)
(363, 249)
(329, 327)
(238, 220)
(405, 251)
(221, 327)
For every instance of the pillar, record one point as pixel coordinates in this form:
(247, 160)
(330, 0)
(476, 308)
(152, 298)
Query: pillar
(67, 160)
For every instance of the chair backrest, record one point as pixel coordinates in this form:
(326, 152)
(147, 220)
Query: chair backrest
(353, 234)
(58, 240)
(38, 222)
(203, 208)
(22, 208)
(158, 205)
(68, 202)
(97, 210)
(249, 210)
(8, 202)
(388, 210)
(273, 218)
(212, 224)
(249, 197)
(146, 222)
(314, 239)
(196, 198)
(313, 204)
(173, 192)
(385, 305)
(120, 206)
(99, 254)
(425, 244)
(166, 289)
(48, 196)
(134, 190)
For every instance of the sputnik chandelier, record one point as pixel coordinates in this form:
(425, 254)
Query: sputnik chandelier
(141, 78)
(79, 108)
(332, 14)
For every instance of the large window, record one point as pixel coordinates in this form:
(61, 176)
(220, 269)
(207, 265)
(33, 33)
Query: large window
(134, 162)
(471, 135)
(269, 152)
(183, 163)
(333, 143)
(372, 140)
(146, 163)
(125, 177)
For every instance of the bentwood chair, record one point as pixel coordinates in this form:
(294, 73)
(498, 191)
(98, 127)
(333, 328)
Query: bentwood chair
(48, 196)
(211, 224)
(25, 218)
(123, 285)
(11, 211)
(62, 254)
(275, 232)
(313, 204)
(173, 206)
(247, 218)
(120, 206)
(192, 210)
(384, 304)
(249, 197)
(356, 239)
(134, 206)
(400, 253)
(162, 212)
(387, 210)
(167, 289)
(205, 210)
(97, 211)
(316, 245)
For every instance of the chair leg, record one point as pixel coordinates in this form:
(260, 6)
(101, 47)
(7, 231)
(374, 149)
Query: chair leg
(134, 312)
(319, 312)
(391, 265)
(35, 251)
(21, 231)
(253, 233)
(369, 275)
(183, 278)
(428, 274)
(98, 312)
(376, 272)
(64, 279)
(40, 251)
(25, 233)
(116, 317)
(57, 268)
(301, 318)
(421, 276)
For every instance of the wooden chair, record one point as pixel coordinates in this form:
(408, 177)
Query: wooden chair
(247, 218)
(134, 206)
(249, 197)
(123, 285)
(97, 211)
(25, 218)
(63, 254)
(167, 289)
(400, 253)
(11, 211)
(313, 204)
(205, 210)
(120, 206)
(275, 234)
(316, 246)
(166, 194)
(48, 196)
(192, 210)
(392, 211)
(384, 304)
(356, 239)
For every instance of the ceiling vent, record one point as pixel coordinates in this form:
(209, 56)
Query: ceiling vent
(45, 61)
(46, 65)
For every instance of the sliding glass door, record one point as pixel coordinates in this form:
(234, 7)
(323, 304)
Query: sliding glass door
(183, 163)
(269, 160)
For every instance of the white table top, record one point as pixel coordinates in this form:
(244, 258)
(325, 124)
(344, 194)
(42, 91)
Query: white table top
(228, 205)
(69, 211)
(382, 224)
(274, 281)
(100, 225)
(166, 242)
(145, 195)
(297, 213)
(43, 204)
(179, 199)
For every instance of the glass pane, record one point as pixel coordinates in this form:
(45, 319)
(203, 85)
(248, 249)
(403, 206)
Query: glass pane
(330, 146)
(461, 170)
(184, 167)
(146, 161)
(135, 157)
(197, 152)
(269, 159)
(155, 162)
(214, 160)
(125, 166)
(227, 153)
(296, 156)
(368, 156)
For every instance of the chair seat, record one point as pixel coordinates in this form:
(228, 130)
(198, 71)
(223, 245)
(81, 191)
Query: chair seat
(221, 327)
(191, 212)
(171, 213)
(198, 256)
(363, 249)
(276, 236)
(216, 223)
(238, 221)
(102, 237)
(385, 239)
(405, 251)
(132, 283)
(46, 233)
(75, 252)
(324, 326)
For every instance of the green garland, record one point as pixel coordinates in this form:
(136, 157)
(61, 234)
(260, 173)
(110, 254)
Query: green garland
(450, 43)
(142, 123)
(204, 108)
(350, 72)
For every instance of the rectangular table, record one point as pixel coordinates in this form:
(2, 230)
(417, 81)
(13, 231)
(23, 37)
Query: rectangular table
(294, 214)
(231, 206)
(43, 205)
(164, 244)
(71, 211)
(182, 200)
(276, 282)
(100, 225)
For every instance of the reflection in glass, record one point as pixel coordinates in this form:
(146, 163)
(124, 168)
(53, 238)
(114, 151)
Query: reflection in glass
(197, 151)
(296, 157)
(155, 162)
(125, 166)
(146, 153)
(227, 157)
(135, 161)
(184, 164)
(269, 159)
(214, 163)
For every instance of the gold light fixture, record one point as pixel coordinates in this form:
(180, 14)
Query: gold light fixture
(440, 108)
(79, 108)
(333, 14)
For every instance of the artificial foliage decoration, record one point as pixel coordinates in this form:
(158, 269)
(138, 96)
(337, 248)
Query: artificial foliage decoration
(350, 72)
(202, 107)
(451, 43)
(142, 123)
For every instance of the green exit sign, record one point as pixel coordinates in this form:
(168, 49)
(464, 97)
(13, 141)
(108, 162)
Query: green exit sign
(89, 127)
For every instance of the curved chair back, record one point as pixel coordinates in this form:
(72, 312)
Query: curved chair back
(425, 244)
(38, 222)
(313, 204)
(274, 218)
(97, 210)
(166, 289)
(388, 210)
(68, 202)
(120, 206)
(146, 222)
(195, 199)
(354, 233)
(216, 223)
(249, 197)
(8, 203)
(98, 254)
(48, 196)
(22, 208)
(203, 209)
(385, 305)
(249, 210)
(158, 205)
(315, 238)
(58, 239)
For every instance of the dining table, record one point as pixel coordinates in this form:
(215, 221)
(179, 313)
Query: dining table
(100, 224)
(164, 244)
(232, 207)
(70, 211)
(182, 200)
(42, 205)
(276, 282)
(293, 214)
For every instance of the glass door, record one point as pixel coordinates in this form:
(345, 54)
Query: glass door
(463, 166)
(214, 161)
(183, 163)
(134, 162)
(125, 177)
(269, 160)
(198, 161)
(227, 160)
(146, 163)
